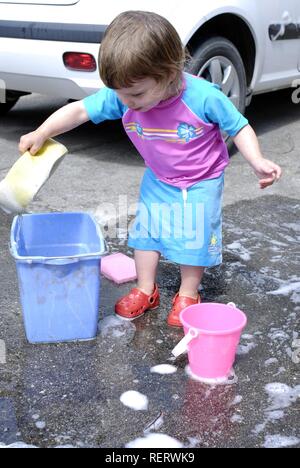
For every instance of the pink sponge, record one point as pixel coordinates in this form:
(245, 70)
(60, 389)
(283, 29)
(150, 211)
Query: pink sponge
(118, 268)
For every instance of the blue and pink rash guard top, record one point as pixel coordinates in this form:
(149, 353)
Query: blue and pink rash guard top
(179, 139)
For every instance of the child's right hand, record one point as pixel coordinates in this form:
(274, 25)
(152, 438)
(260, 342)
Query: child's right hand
(32, 142)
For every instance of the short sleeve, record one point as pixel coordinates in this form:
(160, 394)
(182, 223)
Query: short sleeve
(104, 105)
(220, 110)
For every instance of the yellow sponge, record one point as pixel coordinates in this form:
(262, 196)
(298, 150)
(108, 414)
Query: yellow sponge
(28, 175)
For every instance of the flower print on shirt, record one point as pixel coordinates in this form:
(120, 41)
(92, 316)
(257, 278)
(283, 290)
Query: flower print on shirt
(187, 132)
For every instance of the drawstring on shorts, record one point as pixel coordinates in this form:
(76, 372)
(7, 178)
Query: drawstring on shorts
(184, 196)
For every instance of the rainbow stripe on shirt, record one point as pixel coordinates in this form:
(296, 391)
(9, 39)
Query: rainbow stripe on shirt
(184, 133)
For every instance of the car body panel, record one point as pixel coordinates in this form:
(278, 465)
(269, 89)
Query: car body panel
(39, 66)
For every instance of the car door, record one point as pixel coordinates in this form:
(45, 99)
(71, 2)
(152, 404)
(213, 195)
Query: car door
(274, 23)
(298, 25)
(283, 37)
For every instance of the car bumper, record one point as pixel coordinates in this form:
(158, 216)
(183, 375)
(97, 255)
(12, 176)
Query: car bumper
(39, 68)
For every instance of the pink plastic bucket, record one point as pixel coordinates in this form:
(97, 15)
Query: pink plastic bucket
(212, 334)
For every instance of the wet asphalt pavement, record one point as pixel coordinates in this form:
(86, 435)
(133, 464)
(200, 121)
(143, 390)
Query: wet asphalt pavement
(68, 394)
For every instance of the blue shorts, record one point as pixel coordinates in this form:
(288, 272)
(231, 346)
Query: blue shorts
(185, 226)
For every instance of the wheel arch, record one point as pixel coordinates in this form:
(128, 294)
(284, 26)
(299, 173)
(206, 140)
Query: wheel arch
(236, 30)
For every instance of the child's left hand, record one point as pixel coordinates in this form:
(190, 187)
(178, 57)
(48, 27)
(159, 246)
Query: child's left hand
(267, 171)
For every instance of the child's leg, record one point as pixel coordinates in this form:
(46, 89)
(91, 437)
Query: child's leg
(146, 262)
(146, 295)
(191, 277)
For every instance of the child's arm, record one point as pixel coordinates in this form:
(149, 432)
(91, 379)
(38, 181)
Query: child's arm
(63, 120)
(247, 143)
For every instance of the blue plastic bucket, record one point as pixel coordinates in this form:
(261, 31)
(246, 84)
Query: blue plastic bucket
(57, 258)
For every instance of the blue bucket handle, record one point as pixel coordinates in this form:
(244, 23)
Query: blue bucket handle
(61, 261)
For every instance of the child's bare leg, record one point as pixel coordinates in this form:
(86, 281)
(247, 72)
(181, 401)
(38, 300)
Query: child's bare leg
(146, 262)
(191, 277)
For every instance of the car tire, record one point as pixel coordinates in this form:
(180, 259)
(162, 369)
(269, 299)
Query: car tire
(219, 61)
(11, 99)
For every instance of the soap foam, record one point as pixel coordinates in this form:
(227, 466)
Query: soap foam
(154, 440)
(163, 369)
(134, 400)
(229, 380)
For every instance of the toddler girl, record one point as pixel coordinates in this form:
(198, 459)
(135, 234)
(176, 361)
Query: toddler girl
(174, 120)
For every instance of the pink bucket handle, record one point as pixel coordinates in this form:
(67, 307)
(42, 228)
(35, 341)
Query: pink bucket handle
(182, 346)
(231, 304)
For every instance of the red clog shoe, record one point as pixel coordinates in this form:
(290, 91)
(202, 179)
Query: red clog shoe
(180, 303)
(136, 302)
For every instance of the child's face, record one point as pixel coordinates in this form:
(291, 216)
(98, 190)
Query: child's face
(143, 95)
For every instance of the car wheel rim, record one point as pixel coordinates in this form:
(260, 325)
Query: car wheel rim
(221, 71)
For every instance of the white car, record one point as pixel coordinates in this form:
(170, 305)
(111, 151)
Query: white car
(51, 46)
